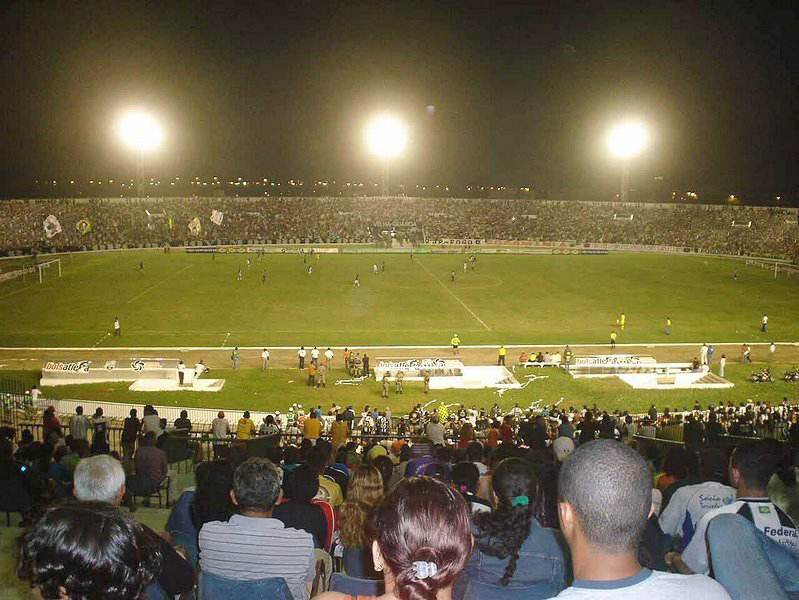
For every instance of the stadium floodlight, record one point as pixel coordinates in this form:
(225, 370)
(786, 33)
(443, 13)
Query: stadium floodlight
(625, 141)
(386, 137)
(143, 133)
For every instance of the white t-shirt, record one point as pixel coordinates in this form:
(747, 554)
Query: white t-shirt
(690, 503)
(328, 354)
(199, 369)
(767, 517)
(220, 427)
(301, 352)
(314, 353)
(35, 395)
(649, 585)
(265, 354)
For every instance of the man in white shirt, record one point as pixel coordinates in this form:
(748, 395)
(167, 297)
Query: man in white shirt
(264, 359)
(301, 354)
(181, 372)
(328, 357)
(315, 356)
(199, 369)
(703, 354)
(220, 429)
(604, 501)
(764, 323)
(690, 503)
(434, 431)
(751, 466)
(117, 326)
(35, 395)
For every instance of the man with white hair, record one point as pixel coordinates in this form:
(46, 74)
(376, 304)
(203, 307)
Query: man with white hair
(101, 478)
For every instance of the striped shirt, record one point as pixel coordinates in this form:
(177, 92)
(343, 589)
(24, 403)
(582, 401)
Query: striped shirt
(765, 515)
(258, 548)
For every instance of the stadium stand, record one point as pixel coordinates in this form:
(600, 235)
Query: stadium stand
(99, 223)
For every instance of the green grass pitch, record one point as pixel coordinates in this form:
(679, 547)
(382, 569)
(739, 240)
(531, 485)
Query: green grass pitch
(193, 300)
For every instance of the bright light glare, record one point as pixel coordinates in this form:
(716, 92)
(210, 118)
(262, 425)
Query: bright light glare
(141, 131)
(627, 139)
(386, 136)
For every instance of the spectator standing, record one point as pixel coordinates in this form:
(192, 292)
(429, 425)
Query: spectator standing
(183, 421)
(99, 423)
(605, 499)
(151, 422)
(79, 425)
(245, 428)
(131, 427)
(253, 544)
(220, 429)
(301, 353)
(434, 431)
(312, 428)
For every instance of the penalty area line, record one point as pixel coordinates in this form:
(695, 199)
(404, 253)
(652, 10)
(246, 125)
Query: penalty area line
(97, 343)
(454, 295)
(164, 280)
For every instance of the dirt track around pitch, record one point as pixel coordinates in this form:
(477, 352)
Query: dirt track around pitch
(31, 358)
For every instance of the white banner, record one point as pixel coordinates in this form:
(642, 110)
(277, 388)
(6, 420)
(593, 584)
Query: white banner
(194, 226)
(458, 241)
(217, 216)
(612, 359)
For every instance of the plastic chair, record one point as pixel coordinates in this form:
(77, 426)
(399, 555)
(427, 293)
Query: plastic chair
(324, 570)
(213, 587)
(141, 487)
(356, 587)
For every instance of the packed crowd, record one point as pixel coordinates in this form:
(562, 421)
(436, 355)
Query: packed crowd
(562, 502)
(135, 223)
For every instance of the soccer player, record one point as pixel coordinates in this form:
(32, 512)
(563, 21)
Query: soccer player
(234, 357)
(764, 324)
(622, 320)
(117, 326)
(456, 342)
(465, 266)
(668, 325)
(398, 381)
(357, 281)
(452, 276)
(238, 275)
(310, 269)
(374, 268)
(263, 277)
(141, 266)
(264, 359)
(383, 266)
(385, 384)
(613, 337)
(248, 264)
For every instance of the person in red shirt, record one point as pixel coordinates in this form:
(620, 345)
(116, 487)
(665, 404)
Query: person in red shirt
(492, 435)
(466, 435)
(506, 431)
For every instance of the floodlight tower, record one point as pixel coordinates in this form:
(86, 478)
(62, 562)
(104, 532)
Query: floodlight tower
(625, 141)
(386, 137)
(143, 133)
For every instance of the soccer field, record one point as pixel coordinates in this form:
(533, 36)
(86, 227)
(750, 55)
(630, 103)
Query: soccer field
(183, 299)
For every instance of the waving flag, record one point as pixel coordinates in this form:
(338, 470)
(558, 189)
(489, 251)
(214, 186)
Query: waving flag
(84, 226)
(194, 226)
(217, 216)
(51, 226)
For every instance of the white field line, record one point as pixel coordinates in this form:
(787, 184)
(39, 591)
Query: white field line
(383, 347)
(164, 280)
(471, 312)
(97, 343)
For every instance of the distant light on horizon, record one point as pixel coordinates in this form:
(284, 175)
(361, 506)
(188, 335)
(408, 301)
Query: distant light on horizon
(386, 136)
(140, 131)
(627, 139)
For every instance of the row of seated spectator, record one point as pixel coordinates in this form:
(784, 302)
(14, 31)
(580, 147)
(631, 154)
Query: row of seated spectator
(415, 522)
(135, 223)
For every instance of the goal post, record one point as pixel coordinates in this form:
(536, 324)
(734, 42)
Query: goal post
(48, 266)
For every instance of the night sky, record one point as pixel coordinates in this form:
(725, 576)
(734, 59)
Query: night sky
(523, 92)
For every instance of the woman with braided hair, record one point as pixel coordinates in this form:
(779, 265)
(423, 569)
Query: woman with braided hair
(514, 556)
(422, 541)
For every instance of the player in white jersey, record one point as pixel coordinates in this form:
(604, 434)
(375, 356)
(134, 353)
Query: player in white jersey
(357, 281)
(374, 268)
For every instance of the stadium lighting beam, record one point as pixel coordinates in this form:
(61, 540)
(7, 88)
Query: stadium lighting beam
(386, 137)
(626, 141)
(143, 133)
